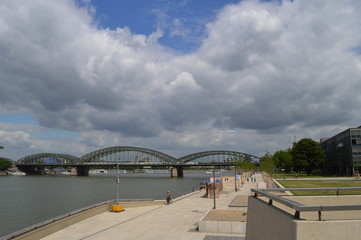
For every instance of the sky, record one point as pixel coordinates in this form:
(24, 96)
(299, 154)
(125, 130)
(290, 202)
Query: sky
(176, 76)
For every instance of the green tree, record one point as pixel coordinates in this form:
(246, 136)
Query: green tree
(243, 164)
(5, 163)
(267, 164)
(307, 155)
(283, 160)
(247, 166)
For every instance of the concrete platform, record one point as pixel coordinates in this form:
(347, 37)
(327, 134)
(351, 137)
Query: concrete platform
(226, 215)
(224, 221)
(175, 221)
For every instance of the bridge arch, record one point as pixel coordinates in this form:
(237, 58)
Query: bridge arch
(49, 158)
(226, 155)
(114, 154)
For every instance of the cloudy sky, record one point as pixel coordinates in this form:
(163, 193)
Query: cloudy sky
(176, 76)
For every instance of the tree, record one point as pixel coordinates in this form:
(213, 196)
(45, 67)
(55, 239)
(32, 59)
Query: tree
(307, 155)
(283, 160)
(5, 164)
(243, 164)
(267, 163)
(247, 166)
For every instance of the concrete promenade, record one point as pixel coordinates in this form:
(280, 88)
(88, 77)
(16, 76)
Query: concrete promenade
(175, 221)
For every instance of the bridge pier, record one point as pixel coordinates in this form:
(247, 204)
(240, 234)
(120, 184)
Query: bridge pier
(176, 171)
(80, 171)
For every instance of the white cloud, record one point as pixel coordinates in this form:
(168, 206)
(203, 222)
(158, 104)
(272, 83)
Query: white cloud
(263, 68)
(15, 138)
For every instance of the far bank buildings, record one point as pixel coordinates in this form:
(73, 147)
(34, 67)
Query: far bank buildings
(343, 152)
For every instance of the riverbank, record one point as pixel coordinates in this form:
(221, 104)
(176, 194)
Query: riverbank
(29, 200)
(175, 221)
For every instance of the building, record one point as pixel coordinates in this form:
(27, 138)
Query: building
(343, 152)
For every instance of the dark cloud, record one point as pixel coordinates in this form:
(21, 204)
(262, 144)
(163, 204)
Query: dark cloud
(263, 66)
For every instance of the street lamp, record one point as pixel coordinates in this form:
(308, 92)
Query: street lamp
(214, 189)
(235, 178)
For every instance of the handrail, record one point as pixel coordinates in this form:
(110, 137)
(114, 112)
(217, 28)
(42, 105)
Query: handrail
(298, 207)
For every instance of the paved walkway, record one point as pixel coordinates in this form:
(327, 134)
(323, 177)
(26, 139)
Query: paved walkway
(176, 221)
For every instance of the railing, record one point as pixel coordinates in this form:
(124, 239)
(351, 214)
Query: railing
(299, 207)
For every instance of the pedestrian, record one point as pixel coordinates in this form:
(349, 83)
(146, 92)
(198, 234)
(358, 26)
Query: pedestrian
(168, 201)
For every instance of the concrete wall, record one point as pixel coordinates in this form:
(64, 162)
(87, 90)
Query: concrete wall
(222, 227)
(223, 221)
(56, 225)
(270, 222)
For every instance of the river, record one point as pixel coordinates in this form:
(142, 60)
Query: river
(28, 200)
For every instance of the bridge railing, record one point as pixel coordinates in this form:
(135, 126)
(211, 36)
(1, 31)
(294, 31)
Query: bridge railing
(136, 154)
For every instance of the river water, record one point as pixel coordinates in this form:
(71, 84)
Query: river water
(28, 200)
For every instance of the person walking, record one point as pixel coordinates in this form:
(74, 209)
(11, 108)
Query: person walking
(168, 200)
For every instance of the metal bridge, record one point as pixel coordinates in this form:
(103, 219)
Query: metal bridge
(130, 156)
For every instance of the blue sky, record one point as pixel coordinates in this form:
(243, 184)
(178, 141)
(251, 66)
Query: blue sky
(145, 17)
(176, 76)
(18, 118)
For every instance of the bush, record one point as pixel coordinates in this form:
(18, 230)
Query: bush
(5, 164)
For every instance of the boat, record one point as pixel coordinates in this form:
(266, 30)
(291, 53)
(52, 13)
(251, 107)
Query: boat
(65, 173)
(15, 173)
(98, 171)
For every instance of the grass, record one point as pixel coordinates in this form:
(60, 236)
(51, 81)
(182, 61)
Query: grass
(299, 175)
(322, 184)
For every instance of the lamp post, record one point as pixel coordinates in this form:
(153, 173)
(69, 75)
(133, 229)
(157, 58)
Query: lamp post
(235, 178)
(214, 189)
(117, 182)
